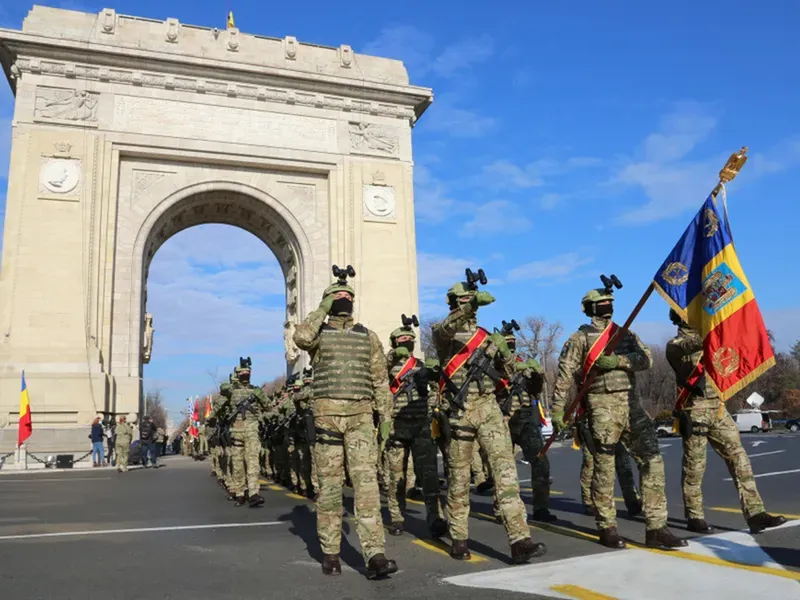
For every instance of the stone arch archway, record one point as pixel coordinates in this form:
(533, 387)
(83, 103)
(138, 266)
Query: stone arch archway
(122, 138)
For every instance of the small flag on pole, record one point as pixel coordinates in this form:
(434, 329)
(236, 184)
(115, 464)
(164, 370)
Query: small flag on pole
(230, 20)
(25, 424)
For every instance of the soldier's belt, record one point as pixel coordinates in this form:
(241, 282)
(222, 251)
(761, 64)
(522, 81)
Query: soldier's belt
(332, 438)
(461, 432)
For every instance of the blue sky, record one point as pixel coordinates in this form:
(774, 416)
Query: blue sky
(565, 140)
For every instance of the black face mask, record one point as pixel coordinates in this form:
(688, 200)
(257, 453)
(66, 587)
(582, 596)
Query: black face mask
(512, 345)
(604, 311)
(407, 345)
(342, 306)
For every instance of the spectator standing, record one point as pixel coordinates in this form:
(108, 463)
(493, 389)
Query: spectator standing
(147, 437)
(98, 453)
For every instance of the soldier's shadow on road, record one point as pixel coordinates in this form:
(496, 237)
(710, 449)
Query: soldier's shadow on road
(304, 526)
(788, 557)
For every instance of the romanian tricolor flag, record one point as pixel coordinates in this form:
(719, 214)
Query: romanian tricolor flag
(25, 423)
(207, 412)
(704, 282)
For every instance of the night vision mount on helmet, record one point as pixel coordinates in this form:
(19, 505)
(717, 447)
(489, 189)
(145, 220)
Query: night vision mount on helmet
(341, 284)
(508, 328)
(406, 329)
(468, 287)
(605, 293)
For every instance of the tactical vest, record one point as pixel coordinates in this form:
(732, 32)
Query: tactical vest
(417, 408)
(618, 380)
(711, 398)
(459, 340)
(250, 417)
(342, 364)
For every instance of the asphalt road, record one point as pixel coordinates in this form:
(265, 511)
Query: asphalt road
(170, 533)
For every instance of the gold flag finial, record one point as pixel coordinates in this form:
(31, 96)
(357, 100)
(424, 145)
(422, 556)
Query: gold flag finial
(733, 166)
(230, 20)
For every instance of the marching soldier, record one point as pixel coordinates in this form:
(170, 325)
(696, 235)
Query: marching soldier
(473, 416)
(614, 414)
(246, 404)
(122, 444)
(350, 381)
(411, 433)
(625, 476)
(703, 417)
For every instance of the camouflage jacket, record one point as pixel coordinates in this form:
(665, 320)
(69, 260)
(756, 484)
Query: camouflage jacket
(307, 337)
(450, 336)
(684, 351)
(418, 407)
(634, 356)
(124, 434)
(534, 378)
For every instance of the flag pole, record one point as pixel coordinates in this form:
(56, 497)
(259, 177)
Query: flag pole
(727, 174)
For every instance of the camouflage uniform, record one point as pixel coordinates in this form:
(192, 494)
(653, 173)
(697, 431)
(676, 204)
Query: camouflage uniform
(303, 447)
(122, 445)
(615, 415)
(480, 422)
(625, 476)
(350, 381)
(711, 421)
(525, 427)
(411, 434)
(245, 447)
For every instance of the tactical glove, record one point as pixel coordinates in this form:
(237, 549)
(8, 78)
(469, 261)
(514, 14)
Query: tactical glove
(521, 366)
(402, 352)
(384, 431)
(607, 363)
(557, 419)
(499, 340)
(482, 299)
(327, 303)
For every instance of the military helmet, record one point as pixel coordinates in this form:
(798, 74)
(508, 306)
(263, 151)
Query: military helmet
(338, 286)
(401, 331)
(458, 290)
(596, 295)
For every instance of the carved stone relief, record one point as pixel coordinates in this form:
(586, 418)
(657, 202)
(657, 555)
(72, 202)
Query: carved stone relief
(366, 138)
(147, 344)
(66, 105)
(292, 351)
(59, 176)
(379, 203)
(144, 180)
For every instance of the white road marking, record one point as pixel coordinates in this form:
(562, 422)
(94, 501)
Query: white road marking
(664, 445)
(768, 474)
(633, 571)
(758, 443)
(26, 536)
(766, 453)
(524, 480)
(2, 480)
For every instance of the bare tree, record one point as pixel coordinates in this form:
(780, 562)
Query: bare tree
(154, 407)
(657, 387)
(539, 338)
(426, 336)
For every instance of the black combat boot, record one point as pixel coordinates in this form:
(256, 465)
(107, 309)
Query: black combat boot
(485, 487)
(256, 500)
(459, 550)
(663, 539)
(438, 528)
(764, 520)
(543, 515)
(231, 496)
(698, 526)
(380, 566)
(331, 565)
(590, 510)
(396, 529)
(610, 538)
(524, 550)
(634, 510)
(240, 501)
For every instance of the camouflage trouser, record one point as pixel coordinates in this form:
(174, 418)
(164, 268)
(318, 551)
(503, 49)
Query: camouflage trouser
(412, 437)
(215, 460)
(624, 468)
(244, 451)
(527, 434)
(203, 444)
(122, 453)
(301, 467)
(483, 423)
(352, 439)
(479, 467)
(618, 417)
(717, 426)
(281, 453)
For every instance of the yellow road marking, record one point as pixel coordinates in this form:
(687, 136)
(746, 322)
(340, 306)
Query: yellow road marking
(275, 488)
(739, 510)
(712, 560)
(409, 500)
(442, 548)
(296, 496)
(580, 593)
(563, 530)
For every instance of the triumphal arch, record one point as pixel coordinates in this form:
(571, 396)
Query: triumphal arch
(128, 130)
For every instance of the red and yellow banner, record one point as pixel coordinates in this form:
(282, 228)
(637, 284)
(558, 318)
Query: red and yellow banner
(462, 356)
(395, 384)
(25, 423)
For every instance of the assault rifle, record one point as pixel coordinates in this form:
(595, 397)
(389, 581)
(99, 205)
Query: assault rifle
(479, 365)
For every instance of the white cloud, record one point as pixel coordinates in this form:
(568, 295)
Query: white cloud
(445, 117)
(550, 201)
(432, 200)
(503, 174)
(784, 155)
(559, 268)
(416, 49)
(497, 216)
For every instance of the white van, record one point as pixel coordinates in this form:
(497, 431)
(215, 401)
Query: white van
(752, 421)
